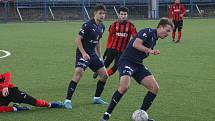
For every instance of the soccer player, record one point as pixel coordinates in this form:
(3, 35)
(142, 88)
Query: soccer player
(88, 55)
(176, 13)
(131, 65)
(9, 93)
(119, 35)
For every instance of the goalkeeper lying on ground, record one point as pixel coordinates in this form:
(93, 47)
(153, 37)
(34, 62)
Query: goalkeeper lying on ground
(10, 93)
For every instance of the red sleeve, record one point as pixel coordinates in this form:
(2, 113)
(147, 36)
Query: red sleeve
(170, 11)
(6, 82)
(133, 31)
(183, 10)
(110, 36)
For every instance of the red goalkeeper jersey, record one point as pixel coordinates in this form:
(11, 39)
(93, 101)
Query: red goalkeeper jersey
(175, 10)
(5, 81)
(119, 35)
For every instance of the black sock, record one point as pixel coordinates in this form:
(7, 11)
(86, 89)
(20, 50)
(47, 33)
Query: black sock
(147, 102)
(100, 88)
(115, 99)
(71, 89)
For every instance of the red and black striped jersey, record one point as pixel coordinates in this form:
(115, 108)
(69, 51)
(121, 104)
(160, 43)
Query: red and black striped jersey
(5, 81)
(119, 35)
(177, 12)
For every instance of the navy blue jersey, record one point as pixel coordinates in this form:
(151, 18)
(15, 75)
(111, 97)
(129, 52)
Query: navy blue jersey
(149, 38)
(91, 34)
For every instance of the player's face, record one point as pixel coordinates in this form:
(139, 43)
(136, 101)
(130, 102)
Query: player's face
(165, 30)
(123, 15)
(99, 15)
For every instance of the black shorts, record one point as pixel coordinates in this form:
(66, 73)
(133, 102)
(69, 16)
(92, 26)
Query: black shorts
(178, 25)
(111, 55)
(137, 71)
(94, 63)
(17, 96)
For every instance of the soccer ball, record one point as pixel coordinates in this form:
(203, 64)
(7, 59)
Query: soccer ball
(139, 115)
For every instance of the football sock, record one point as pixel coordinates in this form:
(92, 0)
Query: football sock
(110, 72)
(7, 109)
(115, 99)
(41, 103)
(71, 89)
(100, 88)
(179, 36)
(173, 36)
(148, 99)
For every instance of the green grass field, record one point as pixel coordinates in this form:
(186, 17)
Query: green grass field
(42, 63)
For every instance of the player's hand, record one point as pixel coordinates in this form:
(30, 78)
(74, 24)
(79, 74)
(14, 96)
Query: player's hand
(154, 52)
(5, 92)
(86, 56)
(181, 15)
(157, 52)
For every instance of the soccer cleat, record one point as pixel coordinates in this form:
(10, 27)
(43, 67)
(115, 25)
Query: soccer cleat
(22, 108)
(98, 100)
(102, 119)
(57, 105)
(105, 117)
(95, 75)
(68, 104)
(151, 120)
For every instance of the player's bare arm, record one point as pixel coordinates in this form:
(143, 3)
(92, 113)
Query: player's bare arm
(139, 46)
(80, 47)
(98, 50)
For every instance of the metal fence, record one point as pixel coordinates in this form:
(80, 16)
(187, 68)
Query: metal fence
(55, 10)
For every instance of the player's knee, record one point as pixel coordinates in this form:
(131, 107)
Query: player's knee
(154, 88)
(104, 77)
(123, 89)
(78, 74)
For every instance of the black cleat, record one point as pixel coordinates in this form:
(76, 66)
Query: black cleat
(151, 120)
(95, 75)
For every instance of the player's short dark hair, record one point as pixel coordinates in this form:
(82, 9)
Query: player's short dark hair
(165, 21)
(123, 9)
(99, 7)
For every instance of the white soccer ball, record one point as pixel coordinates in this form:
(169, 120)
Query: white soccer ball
(139, 115)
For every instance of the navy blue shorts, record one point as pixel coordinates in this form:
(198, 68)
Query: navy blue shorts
(94, 63)
(137, 71)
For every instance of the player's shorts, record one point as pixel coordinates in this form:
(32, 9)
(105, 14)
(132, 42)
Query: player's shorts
(137, 71)
(112, 54)
(94, 63)
(178, 25)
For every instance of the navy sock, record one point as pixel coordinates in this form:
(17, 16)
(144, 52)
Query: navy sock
(71, 89)
(100, 88)
(147, 102)
(115, 99)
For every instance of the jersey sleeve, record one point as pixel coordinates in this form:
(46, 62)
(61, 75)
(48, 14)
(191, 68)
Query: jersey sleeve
(145, 36)
(84, 30)
(110, 35)
(6, 77)
(183, 10)
(133, 30)
(170, 11)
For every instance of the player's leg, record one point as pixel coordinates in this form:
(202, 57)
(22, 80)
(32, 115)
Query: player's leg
(97, 66)
(122, 89)
(18, 96)
(108, 60)
(100, 86)
(180, 26)
(113, 69)
(4, 102)
(125, 69)
(80, 65)
(144, 77)
(174, 31)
